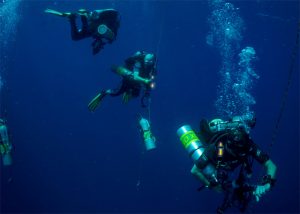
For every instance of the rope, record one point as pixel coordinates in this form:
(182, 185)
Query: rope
(149, 110)
(1, 100)
(138, 184)
(156, 54)
(159, 38)
(286, 91)
(284, 96)
(2, 68)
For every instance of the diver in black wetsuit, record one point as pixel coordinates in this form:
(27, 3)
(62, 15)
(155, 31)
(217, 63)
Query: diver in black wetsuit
(225, 146)
(101, 25)
(138, 73)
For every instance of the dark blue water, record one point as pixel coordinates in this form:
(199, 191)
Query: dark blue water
(67, 159)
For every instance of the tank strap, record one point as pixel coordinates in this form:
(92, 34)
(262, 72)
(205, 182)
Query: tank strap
(217, 137)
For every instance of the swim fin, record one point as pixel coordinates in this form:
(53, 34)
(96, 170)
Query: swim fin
(57, 13)
(96, 101)
(126, 97)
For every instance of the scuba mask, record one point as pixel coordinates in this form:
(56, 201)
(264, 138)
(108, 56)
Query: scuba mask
(149, 59)
(245, 122)
(150, 63)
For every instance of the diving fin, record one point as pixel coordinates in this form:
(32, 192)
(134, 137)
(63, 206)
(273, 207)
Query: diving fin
(126, 97)
(96, 101)
(57, 13)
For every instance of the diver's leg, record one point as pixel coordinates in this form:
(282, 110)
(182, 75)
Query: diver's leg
(117, 91)
(227, 201)
(112, 92)
(76, 33)
(84, 22)
(99, 97)
(74, 29)
(97, 46)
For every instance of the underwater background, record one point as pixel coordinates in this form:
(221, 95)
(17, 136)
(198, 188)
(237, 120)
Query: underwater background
(69, 160)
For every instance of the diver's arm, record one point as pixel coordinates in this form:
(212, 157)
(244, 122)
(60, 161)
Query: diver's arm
(129, 74)
(264, 159)
(137, 78)
(268, 180)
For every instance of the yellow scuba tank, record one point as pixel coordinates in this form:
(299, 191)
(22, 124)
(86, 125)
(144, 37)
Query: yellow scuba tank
(220, 149)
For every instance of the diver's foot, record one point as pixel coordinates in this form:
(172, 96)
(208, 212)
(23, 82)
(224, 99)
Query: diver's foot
(58, 13)
(101, 95)
(82, 11)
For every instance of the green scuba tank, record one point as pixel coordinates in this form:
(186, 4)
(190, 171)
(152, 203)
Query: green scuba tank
(5, 145)
(195, 148)
(149, 139)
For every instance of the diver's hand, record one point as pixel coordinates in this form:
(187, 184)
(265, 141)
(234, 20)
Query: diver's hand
(141, 79)
(260, 190)
(135, 75)
(147, 81)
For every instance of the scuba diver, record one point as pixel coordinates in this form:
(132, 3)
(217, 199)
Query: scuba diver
(218, 150)
(101, 25)
(138, 74)
(5, 144)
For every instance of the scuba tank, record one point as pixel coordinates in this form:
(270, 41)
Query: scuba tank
(196, 149)
(149, 139)
(5, 146)
(121, 71)
(131, 75)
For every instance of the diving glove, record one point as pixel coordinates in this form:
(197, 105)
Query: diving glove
(260, 190)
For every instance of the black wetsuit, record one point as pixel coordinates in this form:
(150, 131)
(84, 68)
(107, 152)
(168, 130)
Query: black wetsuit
(239, 151)
(89, 27)
(129, 85)
(238, 147)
